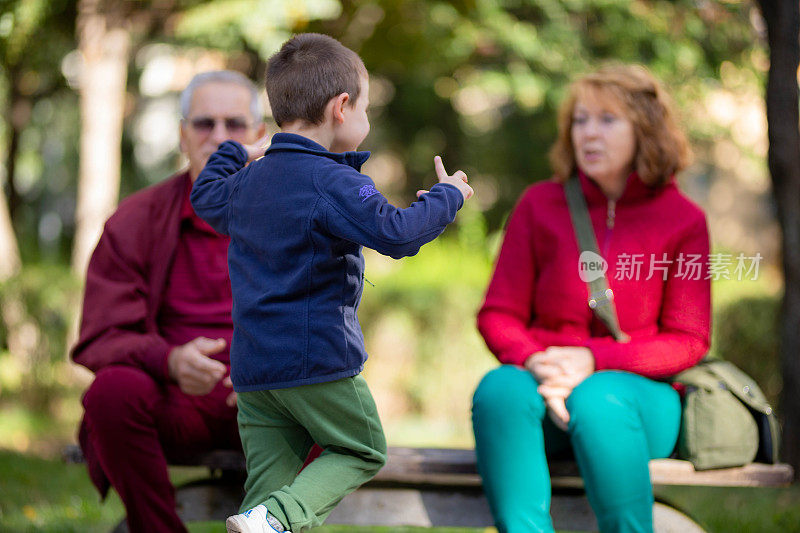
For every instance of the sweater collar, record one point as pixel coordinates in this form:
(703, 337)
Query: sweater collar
(635, 189)
(187, 211)
(291, 142)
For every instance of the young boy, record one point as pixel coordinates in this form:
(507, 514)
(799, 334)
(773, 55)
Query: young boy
(297, 219)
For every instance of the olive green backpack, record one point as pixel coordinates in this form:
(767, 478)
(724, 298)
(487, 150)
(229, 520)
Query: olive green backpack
(726, 419)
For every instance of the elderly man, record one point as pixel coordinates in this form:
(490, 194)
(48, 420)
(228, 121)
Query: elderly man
(157, 320)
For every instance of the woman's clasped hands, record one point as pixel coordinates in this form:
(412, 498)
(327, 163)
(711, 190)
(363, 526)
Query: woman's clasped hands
(558, 370)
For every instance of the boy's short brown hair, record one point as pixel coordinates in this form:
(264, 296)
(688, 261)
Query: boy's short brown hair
(309, 70)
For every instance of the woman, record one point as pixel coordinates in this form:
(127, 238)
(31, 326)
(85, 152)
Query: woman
(565, 380)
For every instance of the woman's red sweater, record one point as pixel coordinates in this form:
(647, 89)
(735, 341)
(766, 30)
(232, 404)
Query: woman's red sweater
(537, 299)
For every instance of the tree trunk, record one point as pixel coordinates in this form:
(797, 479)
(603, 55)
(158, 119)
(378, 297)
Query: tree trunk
(19, 113)
(10, 262)
(783, 31)
(9, 250)
(11, 305)
(104, 43)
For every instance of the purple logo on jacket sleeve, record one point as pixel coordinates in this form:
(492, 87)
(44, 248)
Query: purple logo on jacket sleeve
(366, 191)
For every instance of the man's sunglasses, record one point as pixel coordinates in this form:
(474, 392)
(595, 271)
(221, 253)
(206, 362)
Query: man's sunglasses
(207, 124)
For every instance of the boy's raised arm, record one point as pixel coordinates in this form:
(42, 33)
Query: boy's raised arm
(212, 189)
(363, 215)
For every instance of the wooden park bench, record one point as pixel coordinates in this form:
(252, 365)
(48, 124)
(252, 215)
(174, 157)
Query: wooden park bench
(440, 487)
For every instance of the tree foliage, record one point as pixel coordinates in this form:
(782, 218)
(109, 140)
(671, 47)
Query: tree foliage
(476, 80)
(481, 80)
(30, 73)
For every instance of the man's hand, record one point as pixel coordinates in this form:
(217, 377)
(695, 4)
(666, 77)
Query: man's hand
(257, 149)
(458, 179)
(190, 366)
(231, 399)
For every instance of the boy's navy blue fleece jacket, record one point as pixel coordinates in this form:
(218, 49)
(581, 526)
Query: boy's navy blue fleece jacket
(297, 219)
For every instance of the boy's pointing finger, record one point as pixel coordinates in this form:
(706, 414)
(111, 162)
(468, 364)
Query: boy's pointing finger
(439, 166)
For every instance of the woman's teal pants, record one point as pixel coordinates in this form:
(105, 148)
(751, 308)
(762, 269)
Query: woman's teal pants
(618, 422)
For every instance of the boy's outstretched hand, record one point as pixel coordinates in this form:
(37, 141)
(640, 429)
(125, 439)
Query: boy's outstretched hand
(257, 149)
(458, 179)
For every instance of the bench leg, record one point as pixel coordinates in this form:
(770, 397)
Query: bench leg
(464, 508)
(667, 519)
(445, 508)
(206, 500)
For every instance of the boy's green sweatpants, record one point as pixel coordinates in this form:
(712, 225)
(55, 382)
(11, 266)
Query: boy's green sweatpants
(278, 428)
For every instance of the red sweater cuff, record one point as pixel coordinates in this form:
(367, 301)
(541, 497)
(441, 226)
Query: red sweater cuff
(518, 355)
(154, 358)
(602, 350)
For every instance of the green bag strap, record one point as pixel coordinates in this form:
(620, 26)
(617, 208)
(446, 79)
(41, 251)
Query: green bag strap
(601, 297)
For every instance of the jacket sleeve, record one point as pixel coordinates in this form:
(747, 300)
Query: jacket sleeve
(506, 313)
(113, 326)
(684, 322)
(356, 211)
(214, 186)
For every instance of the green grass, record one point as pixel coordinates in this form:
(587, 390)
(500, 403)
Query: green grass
(738, 510)
(48, 496)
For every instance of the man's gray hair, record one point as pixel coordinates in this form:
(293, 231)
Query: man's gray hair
(222, 76)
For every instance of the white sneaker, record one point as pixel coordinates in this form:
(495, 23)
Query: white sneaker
(253, 521)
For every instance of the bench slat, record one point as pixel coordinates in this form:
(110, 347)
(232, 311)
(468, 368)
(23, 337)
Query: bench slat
(441, 466)
(456, 467)
(677, 472)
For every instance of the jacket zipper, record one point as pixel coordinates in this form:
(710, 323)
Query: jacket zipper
(611, 215)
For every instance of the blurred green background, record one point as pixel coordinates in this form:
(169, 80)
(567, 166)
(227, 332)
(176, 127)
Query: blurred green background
(478, 81)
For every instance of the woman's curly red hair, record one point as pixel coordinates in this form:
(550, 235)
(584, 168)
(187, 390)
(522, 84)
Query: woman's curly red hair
(661, 146)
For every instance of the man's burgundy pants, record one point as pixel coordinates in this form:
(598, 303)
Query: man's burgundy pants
(134, 425)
